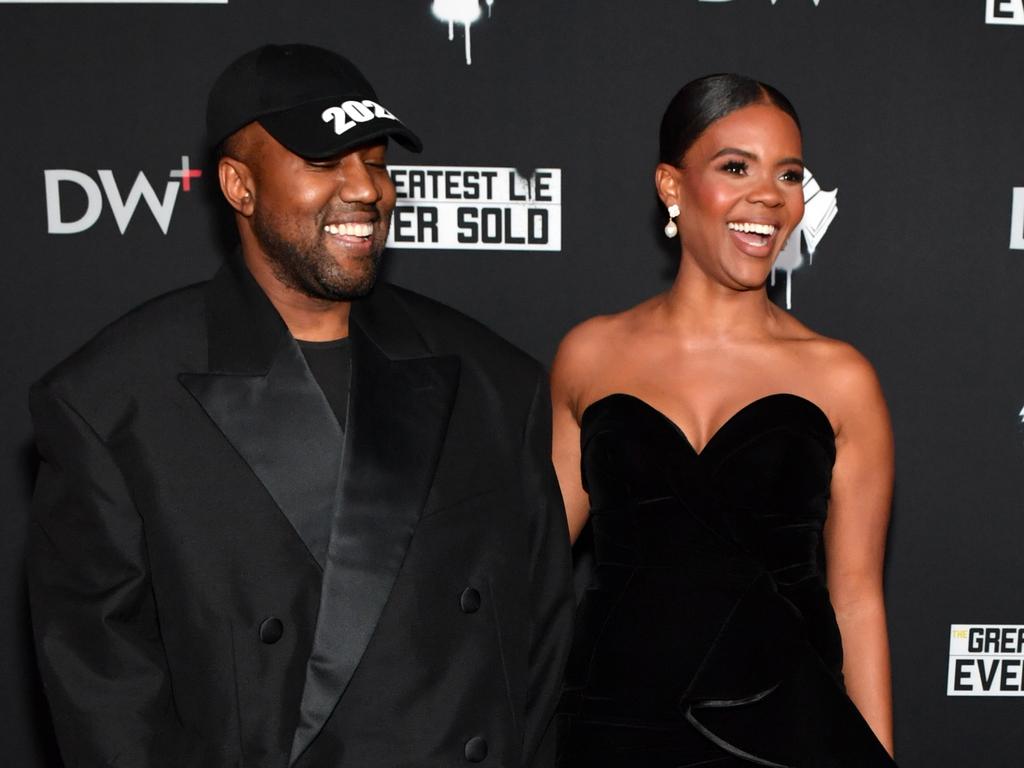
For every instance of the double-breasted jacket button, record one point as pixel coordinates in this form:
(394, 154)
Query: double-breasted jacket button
(470, 601)
(476, 749)
(271, 630)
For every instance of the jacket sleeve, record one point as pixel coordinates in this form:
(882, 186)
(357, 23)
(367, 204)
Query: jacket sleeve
(552, 601)
(93, 612)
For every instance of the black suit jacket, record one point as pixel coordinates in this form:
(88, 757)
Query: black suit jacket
(192, 471)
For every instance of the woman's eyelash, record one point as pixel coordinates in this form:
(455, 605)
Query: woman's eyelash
(740, 167)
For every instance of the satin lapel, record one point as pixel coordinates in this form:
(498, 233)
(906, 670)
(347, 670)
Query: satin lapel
(283, 428)
(398, 417)
(263, 398)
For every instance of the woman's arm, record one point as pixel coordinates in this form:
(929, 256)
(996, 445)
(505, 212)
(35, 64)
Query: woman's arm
(567, 376)
(855, 536)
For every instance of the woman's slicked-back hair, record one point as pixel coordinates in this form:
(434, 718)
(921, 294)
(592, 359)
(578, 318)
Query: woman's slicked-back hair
(701, 102)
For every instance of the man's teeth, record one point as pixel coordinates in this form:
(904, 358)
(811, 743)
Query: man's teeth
(757, 229)
(354, 229)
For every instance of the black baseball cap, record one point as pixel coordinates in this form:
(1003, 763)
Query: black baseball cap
(313, 101)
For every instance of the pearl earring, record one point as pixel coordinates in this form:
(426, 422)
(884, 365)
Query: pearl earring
(671, 230)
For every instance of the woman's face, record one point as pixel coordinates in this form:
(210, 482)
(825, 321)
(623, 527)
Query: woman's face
(740, 192)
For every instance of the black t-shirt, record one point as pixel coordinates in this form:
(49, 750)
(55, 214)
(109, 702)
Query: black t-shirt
(331, 365)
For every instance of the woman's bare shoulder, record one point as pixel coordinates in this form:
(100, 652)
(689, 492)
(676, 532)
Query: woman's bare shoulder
(843, 367)
(839, 376)
(844, 379)
(831, 358)
(593, 349)
(599, 336)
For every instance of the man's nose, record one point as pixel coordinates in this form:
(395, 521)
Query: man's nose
(356, 183)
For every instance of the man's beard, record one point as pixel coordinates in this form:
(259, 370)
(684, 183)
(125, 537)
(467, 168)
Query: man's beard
(310, 268)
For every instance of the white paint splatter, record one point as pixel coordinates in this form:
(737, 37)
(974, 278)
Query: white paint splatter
(820, 209)
(464, 12)
(729, 1)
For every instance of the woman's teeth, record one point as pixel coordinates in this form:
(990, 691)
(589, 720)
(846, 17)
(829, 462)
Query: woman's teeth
(355, 230)
(750, 227)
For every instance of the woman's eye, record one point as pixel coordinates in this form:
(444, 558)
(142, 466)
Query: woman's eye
(735, 166)
(794, 176)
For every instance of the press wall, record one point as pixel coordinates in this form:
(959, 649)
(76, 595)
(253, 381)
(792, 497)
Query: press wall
(912, 249)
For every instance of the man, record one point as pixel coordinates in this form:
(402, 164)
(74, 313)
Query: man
(286, 518)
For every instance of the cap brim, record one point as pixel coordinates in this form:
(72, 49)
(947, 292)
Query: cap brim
(323, 129)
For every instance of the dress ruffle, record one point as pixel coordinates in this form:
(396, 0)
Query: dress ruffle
(763, 695)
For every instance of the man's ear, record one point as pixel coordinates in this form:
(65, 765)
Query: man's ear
(666, 181)
(236, 182)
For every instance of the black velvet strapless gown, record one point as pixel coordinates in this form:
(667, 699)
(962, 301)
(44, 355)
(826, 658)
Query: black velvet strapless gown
(706, 637)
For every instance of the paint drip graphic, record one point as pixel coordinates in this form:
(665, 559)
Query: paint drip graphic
(820, 209)
(729, 1)
(464, 12)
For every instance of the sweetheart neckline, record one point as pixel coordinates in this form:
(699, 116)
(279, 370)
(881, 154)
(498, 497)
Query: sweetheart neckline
(721, 427)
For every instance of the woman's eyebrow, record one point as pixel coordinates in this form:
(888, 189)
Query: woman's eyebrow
(753, 156)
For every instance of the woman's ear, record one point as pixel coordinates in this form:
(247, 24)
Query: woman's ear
(666, 181)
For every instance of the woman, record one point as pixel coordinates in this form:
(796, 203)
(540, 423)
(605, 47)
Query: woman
(732, 463)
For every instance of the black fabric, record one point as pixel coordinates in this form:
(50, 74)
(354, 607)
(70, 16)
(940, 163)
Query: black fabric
(707, 636)
(287, 88)
(394, 441)
(189, 460)
(256, 388)
(330, 362)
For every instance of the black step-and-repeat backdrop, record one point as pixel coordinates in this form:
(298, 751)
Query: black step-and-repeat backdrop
(533, 208)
